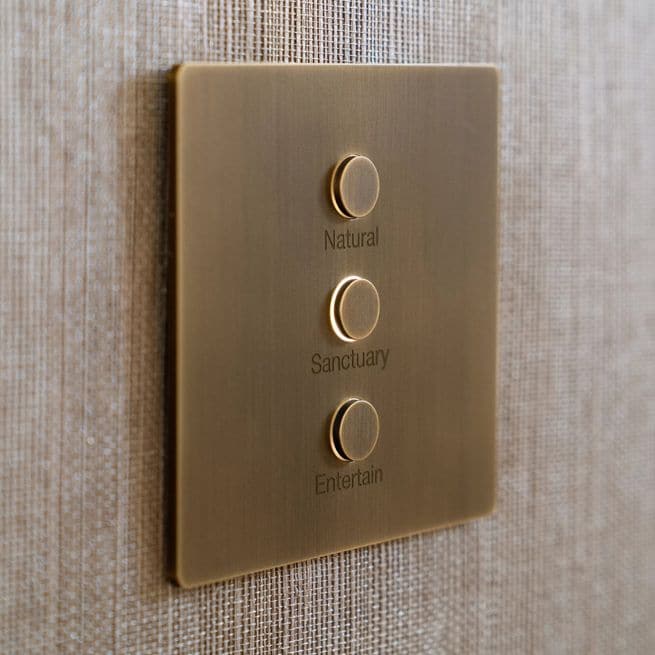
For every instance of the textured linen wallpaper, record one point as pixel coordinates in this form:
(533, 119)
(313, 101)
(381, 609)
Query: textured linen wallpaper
(567, 563)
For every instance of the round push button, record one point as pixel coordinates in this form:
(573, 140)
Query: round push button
(354, 308)
(354, 430)
(355, 186)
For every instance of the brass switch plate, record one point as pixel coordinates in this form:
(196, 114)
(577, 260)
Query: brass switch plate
(259, 249)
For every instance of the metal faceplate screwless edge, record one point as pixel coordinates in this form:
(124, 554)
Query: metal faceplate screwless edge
(258, 250)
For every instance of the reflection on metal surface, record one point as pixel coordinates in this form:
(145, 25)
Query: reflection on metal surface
(259, 249)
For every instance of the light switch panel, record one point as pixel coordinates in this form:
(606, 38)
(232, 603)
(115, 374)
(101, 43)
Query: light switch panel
(334, 296)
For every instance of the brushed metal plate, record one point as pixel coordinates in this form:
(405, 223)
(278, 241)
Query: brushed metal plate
(259, 249)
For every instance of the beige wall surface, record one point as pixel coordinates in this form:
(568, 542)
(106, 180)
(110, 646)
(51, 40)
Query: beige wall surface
(567, 563)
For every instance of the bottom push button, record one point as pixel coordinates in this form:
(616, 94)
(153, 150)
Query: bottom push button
(354, 430)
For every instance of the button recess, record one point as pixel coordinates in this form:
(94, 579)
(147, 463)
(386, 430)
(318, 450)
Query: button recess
(355, 186)
(354, 430)
(354, 308)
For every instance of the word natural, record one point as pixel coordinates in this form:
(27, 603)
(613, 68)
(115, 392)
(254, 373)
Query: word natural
(334, 240)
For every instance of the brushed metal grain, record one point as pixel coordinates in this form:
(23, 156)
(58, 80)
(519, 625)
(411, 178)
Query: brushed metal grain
(259, 371)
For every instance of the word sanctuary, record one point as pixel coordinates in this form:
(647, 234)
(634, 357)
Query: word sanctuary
(350, 360)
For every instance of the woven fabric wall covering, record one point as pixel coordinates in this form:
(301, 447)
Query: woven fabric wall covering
(567, 563)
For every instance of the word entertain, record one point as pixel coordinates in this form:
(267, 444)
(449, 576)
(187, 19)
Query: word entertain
(326, 484)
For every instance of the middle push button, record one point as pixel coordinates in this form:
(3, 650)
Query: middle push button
(354, 308)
